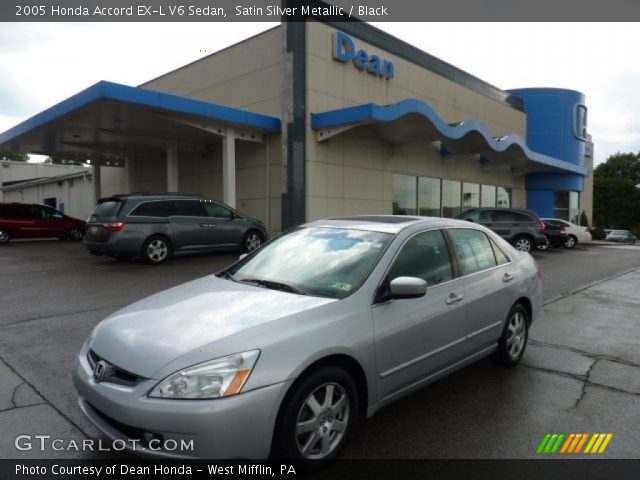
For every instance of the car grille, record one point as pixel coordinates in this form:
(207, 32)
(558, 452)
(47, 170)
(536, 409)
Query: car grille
(132, 433)
(117, 375)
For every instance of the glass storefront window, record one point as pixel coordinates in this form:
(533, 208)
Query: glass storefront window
(404, 194)
(451, 193)
(503, 197)
(574, 207)
(488, 196)
(561, 205)
(470, 196)
(429, 197)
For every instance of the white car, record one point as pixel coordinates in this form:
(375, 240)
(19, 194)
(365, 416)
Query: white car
(576, 233)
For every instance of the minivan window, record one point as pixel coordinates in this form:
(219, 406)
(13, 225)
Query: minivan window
(216, 210)
(151, 209)
(187, 208)
(108, 208)
(425, 256)
(474, 250)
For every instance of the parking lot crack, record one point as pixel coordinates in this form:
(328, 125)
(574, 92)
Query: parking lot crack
(13, 395)
(585, 382)
(593, 356)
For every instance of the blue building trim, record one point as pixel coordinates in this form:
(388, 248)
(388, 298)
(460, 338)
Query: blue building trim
(372, 113)
(148, 98)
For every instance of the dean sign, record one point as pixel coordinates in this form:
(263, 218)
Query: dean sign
(344, 50)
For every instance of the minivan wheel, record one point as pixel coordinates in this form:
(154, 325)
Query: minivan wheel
(571, 242)
(5, 236)
(316, 419)
(522, 243)
(515, 334)
(251, 241)
(156, 250)
(75, 234)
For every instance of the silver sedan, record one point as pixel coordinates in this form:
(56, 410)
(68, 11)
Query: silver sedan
(279, 353)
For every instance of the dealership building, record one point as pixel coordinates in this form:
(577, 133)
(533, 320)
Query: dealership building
(312, 119)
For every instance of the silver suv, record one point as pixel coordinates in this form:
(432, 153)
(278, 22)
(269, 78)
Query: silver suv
(155, 227)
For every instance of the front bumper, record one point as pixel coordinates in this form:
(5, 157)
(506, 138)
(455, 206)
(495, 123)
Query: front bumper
(240, 426)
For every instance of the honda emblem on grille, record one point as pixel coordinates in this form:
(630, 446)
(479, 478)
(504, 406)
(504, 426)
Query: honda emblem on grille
(100, 371)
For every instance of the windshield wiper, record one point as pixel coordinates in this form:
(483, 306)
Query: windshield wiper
(283, 287)
(226, 275)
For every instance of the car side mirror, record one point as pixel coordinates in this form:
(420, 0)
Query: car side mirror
(407, 287)
(243, 256)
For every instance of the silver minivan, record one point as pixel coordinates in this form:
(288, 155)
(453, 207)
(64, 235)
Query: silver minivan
(279, 353)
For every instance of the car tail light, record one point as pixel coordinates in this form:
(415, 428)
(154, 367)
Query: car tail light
(588, 229)
(113, 227)
(563, 229)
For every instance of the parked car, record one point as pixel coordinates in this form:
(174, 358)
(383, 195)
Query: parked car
(621, 236)
(577, 234)
(30, 220)
(556, 236)
(334, 319)
(522, 228)
(155, 227)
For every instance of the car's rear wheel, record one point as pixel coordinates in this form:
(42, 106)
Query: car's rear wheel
(317, 417)
(156, 250)
(75, 234)
(5, 235)
(523, 243)
(571, 242)
(251, 241)
(515, 334)
(544, 246)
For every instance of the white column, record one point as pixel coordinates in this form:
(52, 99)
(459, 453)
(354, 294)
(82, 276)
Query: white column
(172, 169)
(129, 185)
(97, 190)
(229, 168)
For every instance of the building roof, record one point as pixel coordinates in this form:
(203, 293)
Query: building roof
(107, 120)
(44, 180)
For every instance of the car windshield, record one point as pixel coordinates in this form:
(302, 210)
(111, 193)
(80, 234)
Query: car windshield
(329, 262)
(619, 232)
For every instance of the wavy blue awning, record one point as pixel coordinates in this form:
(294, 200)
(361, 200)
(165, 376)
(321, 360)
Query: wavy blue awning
(413, 120)
(108, 120)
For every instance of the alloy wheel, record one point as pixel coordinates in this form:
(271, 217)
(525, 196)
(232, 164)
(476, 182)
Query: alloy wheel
(571, 242)
(523, 244)
(516, 334)
(322, 421)
(157, 250)
(252, 242)
(76, 234)
(4, 236)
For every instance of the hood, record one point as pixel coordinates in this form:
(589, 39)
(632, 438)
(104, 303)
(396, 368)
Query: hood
(148, 334)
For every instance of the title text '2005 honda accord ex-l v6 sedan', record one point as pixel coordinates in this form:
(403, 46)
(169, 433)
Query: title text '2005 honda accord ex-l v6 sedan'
(279, 353)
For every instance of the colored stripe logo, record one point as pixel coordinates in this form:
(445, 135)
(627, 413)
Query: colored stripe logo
(571, 443)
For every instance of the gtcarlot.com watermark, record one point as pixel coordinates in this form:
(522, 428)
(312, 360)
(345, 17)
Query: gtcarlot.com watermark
(48, 443)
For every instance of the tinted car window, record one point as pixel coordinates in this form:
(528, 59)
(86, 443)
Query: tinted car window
(501, 258)
(50, 213)
(108, 208)
(503, 216)
(151, 209)
(7, 211)
(217, 210)
(424, 256)
(481, 216)
(474, 250)
(522, 218)
(187, 208)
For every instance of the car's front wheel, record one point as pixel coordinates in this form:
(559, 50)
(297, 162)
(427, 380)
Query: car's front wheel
(317, 417)
(571, 242)
(523, 243)
(5, 235)
(156, 250)
(251, 241)
(514, 337)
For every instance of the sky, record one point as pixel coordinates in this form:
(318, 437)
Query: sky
(44, 63)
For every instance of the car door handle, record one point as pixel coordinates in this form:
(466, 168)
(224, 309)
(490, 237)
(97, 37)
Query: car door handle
(507, 277)
(454, 298)
(208, 225)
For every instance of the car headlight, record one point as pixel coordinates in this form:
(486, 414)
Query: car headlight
(213, 379)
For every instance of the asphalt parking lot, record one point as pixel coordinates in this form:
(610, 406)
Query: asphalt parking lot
(581, 371)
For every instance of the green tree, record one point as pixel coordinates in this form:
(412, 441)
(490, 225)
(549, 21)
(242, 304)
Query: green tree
(616, 191)
(16, 157)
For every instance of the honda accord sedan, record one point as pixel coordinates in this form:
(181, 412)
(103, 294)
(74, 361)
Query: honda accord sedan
(278, 354)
